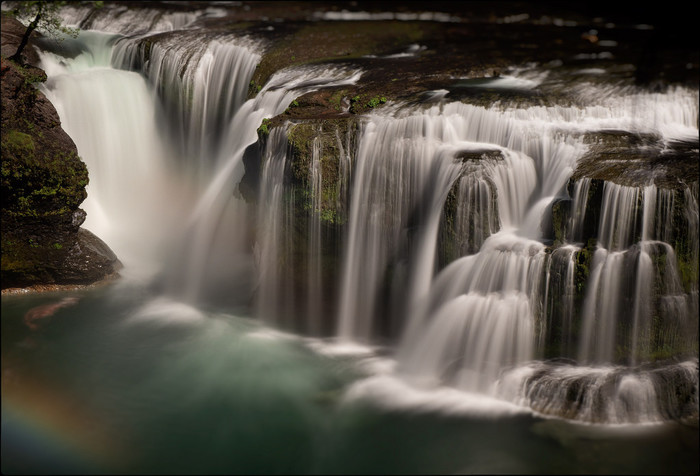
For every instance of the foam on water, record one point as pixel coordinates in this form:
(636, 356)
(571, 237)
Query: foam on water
(392, 393)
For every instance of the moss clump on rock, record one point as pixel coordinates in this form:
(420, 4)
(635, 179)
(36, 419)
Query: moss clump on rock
(34, 185)
(561, 209)
(325, 136)
(264, 128)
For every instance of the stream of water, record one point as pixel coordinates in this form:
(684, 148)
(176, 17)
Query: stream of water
(207, 358)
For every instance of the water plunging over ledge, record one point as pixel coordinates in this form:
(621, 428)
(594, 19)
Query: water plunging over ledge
(440, 277)
(465, 325)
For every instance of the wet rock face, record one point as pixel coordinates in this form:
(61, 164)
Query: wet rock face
(43, 184)
(664, 392)
(637, 160)
(12, 32)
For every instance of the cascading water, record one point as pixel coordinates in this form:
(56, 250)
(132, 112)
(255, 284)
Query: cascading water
(272, 293)
(475, 215)
(446, 249)
(406, 185)
(201, 84)
(297, 224)
(208, 218)
(480, 315)
(489, 312)
(211, 248)
(117, 136)
(192, 81)
(496, 276)
(383, 204)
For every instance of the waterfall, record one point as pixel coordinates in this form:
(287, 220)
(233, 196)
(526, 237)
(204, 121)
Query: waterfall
(201, 83)
(578, 214)
(399, 187)
(559, 303)
(275, 289)
(193, 78)
(601, 394)
(218, 215)
(389, 196)
(204, 236)
(476, 217)
(502, 305)
(436, 238)
(297, 224)
(634, 261)
(386, 195)
(129, 202)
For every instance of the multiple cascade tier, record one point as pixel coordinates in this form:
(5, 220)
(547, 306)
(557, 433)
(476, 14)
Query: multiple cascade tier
(458, 235)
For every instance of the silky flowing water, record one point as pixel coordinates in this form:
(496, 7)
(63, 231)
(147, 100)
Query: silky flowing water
(122, 383)
(205, 358)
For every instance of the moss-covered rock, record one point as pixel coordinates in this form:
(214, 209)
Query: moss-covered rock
(561, 211)
(324, 141)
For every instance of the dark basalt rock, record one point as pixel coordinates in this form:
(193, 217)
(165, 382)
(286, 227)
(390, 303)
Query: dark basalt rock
(478, 155)
(638, 160)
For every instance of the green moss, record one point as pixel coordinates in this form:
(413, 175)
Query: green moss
(376, 101)
(330, 216)
(688, 273)
(354, 104)
(337, 98)
(147, 45)
(292, 105)
(29, 260)
(31, 75)
(264, 128)
(686, 251)
(301, 138)
(42, 181)
(40, 186)
(664, 352)
(560, 215)
(16, 142)
(253, 88)
(584, 259)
